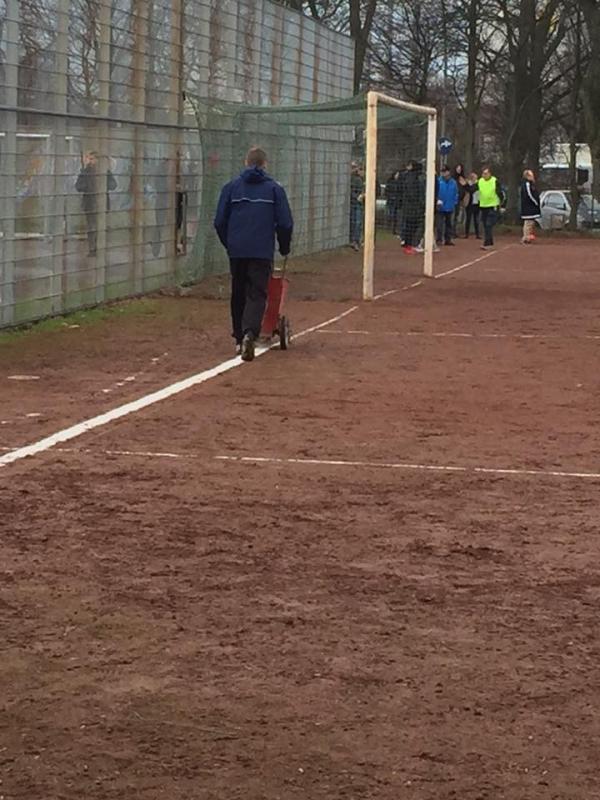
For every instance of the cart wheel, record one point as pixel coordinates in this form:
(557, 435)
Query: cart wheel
(284, 333)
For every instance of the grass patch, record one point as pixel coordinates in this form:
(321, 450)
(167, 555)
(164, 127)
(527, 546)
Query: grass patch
(85, 318)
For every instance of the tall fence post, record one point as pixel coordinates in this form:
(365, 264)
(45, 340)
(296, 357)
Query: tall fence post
(370, 196)
(103, 243)
(430, 209)
(176, 137)
(140, 13)
(55, 209)
(9, 157)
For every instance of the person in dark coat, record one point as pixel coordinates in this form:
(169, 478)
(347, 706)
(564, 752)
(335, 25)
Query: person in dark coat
(530, 206)
(253, 210)
(393, 200)
(462, 184)
(87, 186)
(472, 206)
(413, 205)
(357, 202)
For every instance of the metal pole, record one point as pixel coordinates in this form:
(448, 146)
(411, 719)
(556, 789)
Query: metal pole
(9, 161)
(430, 195)
(55, 211)
(370, 196)
(445, 100)
(103, 242)
(140, 10)
(175, 183)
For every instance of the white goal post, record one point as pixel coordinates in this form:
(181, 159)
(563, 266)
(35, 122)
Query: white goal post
(373, 100)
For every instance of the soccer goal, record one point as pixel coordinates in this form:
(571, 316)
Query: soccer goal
(359, 174)
(400, 174)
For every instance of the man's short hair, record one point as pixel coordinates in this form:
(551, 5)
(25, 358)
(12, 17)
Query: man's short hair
(256, 157)
(446, 168)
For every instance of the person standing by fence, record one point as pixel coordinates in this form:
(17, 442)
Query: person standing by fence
(491, 198)
(530, 205)
(357, 200)
(87, 186)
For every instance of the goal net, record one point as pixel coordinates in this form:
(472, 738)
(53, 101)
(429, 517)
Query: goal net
(359, 173)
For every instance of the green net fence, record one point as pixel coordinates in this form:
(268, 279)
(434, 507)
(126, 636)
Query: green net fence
(317, 152)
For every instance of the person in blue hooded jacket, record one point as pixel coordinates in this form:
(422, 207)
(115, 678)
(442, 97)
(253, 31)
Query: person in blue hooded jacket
(253, 210)
(447, 200)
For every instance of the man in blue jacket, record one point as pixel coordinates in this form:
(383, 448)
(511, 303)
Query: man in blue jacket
(447, 200)
(253, 209)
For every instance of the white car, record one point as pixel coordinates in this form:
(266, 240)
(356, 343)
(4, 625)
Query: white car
(556, 210)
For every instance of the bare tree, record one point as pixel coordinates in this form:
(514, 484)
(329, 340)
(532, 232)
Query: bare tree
(529, 34)
(406, 48)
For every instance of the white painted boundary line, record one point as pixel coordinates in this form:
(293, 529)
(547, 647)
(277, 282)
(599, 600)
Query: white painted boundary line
(401, 289)
(327, 462)
(80, 428)
(470, 263)
(413, 467)
(143, 402)
(452, 335)
(442, 274)
(117, 413)
(324, 324)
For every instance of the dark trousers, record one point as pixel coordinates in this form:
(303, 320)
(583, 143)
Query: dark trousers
(411, 226)
(489, 218)
(456, 217)
(472, 215)
(92, 229)
(393, 216)
(444, 227)
(249, 286)
(356, 220)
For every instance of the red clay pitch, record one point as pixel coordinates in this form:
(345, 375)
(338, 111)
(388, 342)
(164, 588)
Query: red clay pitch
(201, 629)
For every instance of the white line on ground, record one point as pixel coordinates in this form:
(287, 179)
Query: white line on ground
(452, 335)
(121, 411)
(137, 453)
(413, 467)
(470, 263)
(143, 402)
(329, 462)
(169, 391)
(324, 324)
(135, 376)
(395, 291)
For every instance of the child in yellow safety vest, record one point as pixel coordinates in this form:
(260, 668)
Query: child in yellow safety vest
(491, 198)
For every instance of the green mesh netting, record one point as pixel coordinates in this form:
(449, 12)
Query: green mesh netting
(311, 150)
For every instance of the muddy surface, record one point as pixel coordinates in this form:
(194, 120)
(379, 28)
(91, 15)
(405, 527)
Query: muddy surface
(357, 611)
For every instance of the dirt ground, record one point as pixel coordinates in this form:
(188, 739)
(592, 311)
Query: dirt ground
(349, 571)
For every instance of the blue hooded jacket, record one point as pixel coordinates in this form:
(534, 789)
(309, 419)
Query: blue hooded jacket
(252, 210)
(448, 194)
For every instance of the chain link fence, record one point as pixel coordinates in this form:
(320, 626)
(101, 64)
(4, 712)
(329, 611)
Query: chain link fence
(101, 162)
